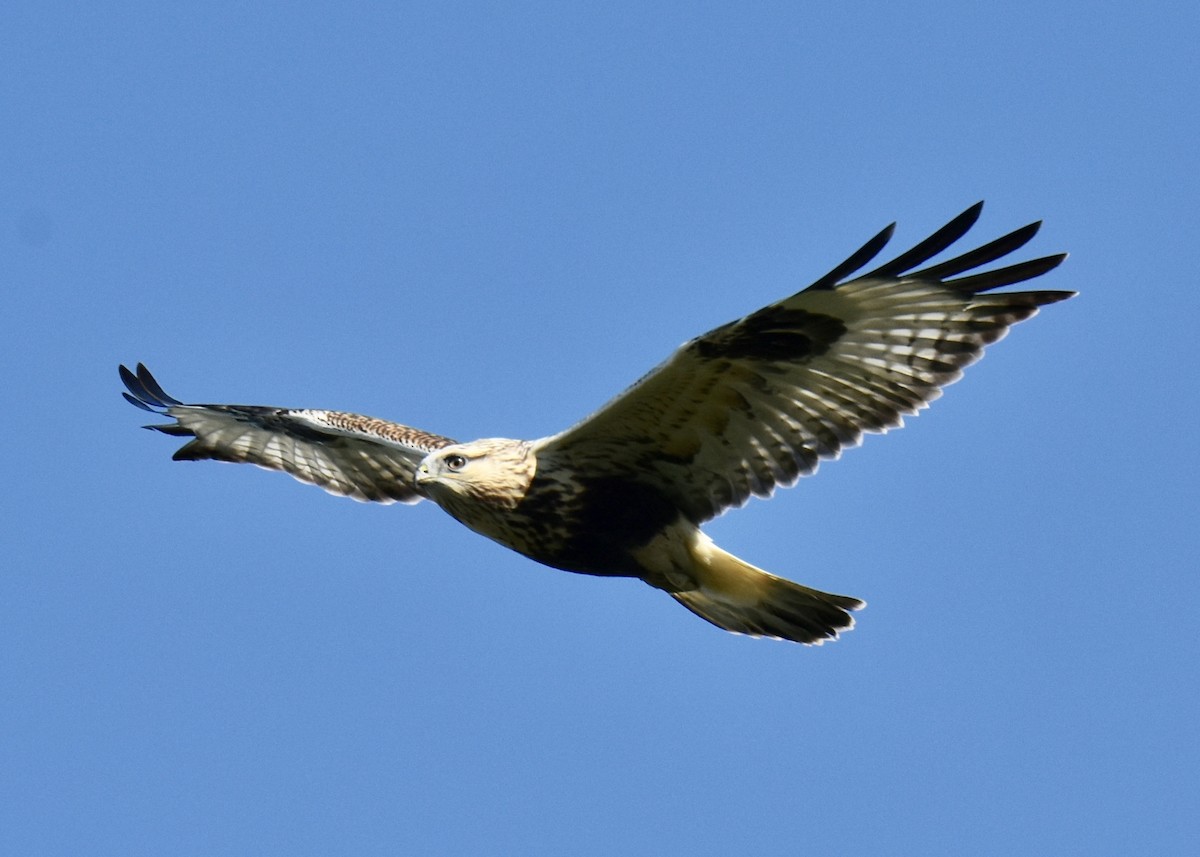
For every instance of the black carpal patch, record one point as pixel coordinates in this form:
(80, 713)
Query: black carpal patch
(772, 333)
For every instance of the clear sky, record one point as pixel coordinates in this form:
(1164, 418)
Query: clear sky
(486, 219)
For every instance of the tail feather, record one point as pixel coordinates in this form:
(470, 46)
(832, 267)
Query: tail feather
(736, 596)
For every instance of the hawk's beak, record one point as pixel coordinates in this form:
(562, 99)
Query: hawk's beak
(423, 475)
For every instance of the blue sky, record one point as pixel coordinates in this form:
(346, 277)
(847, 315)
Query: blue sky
(486, 219)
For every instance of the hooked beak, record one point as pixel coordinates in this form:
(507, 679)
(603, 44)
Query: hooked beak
(423, 475)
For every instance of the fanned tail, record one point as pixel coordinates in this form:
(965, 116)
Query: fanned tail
(736, 596)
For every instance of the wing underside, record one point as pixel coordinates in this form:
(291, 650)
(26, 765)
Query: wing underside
(759, 402)
(361, 457)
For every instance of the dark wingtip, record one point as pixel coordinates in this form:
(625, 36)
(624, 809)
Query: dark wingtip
(128, 379)
(989, 252)
(1058, 258)
(144, 390)
(173, 429)
(968, 218)
(1009, 276)
(149, 383)
(138, 403)
(903, 265)
(1055, 297)
(192, 452)
(857, 259)
(138, 395)
(931, 246)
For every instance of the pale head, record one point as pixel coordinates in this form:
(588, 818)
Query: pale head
(490, 472)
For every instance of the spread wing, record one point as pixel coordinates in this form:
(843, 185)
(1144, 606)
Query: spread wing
(360, 457)
(759, 402)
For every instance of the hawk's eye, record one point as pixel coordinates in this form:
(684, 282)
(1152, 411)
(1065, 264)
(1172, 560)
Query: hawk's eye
(455, 462)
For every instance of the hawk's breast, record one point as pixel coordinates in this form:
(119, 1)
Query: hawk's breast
(591, 524)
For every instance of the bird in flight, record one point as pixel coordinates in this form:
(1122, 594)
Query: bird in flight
(749, 406)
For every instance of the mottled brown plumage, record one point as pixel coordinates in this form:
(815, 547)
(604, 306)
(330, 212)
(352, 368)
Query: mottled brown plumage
(750, 406)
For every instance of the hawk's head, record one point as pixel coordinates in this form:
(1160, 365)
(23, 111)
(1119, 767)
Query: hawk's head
(494, 472)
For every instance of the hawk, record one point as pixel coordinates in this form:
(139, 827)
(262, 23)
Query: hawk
(748, 407)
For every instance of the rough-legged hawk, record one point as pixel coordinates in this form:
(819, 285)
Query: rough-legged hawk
(749, 406)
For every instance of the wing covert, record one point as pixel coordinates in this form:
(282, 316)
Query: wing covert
(759, 402)
(361, 457)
